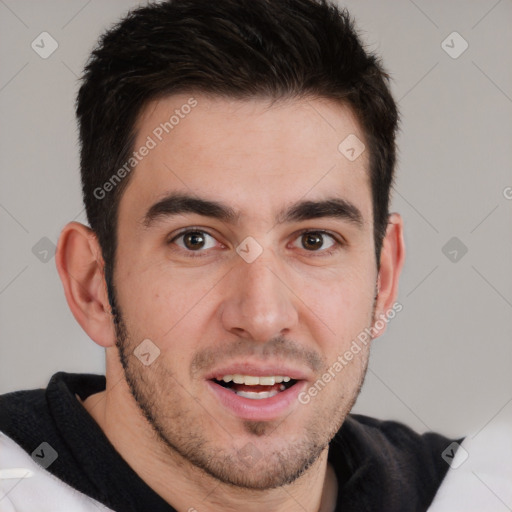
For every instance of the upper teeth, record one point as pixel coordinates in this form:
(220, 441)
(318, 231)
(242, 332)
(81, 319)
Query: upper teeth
(251, 380)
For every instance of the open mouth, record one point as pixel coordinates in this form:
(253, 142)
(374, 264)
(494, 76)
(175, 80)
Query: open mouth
(253, 387)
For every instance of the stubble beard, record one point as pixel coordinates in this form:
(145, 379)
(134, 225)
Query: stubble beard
(178, 428)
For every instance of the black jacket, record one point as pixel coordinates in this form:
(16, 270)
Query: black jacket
(380, 465)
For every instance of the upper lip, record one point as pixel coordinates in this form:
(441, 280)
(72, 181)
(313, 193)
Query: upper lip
(257, 370)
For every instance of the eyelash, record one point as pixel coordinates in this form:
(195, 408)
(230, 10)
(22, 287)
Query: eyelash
(338, 244)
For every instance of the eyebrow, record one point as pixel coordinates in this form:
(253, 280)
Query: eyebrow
(178, 203)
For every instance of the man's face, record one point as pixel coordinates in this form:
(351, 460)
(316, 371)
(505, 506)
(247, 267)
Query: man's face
(266, 292)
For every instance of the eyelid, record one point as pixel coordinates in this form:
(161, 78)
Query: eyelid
(189, 229)
(333, 235)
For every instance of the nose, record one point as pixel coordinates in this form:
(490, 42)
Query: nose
(259, 304)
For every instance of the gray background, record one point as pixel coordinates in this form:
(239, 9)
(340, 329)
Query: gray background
(445, 361)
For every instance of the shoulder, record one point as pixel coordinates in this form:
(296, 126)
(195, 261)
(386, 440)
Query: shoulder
(397, 439)
(26, 484)
(422, 455)
(391, 466)
(480, 473)
(30, 416)
(23, 414)
(42, 432)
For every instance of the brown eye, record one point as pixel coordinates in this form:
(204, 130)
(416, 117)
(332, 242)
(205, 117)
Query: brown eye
(194, 240)
(317, 241)
(312, 241)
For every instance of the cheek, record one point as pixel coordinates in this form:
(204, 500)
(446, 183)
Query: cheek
(157, 301)
(351, 290)
(344, 306)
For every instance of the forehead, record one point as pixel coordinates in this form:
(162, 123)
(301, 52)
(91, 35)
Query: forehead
(251, 154)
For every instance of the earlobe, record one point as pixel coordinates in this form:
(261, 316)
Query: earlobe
(391, 263)
(80, 267)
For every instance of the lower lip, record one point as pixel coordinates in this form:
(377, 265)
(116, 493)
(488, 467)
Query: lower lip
(265, 409)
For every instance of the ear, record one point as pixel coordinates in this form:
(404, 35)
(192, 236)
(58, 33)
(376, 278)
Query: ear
(80, 266)
(391, 262)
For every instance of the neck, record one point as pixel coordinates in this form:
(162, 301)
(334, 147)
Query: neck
(183, 485)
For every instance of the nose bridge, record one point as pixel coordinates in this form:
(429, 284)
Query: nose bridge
(261, 286)
(259, 306)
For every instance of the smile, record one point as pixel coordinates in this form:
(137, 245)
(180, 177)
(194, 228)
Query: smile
(257, 397)
(256, 388)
